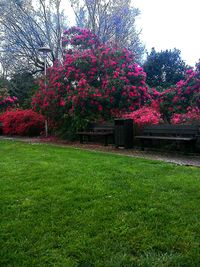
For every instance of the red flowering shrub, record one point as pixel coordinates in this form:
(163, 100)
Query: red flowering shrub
(144, 116)
(6, 101)
(94, 82)
(191, 117)
(22, 122)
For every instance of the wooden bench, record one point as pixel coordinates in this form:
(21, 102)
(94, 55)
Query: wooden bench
(187, 134)
(106, 130)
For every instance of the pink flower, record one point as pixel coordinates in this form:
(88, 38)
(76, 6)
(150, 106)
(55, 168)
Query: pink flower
(62, 102)
(100, 108)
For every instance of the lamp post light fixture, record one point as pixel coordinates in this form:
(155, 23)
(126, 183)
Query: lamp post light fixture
(45, 50)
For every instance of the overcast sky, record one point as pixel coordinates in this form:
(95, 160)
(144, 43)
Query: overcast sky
(168, 24)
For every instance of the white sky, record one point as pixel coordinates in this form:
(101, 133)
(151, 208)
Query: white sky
(168, 24)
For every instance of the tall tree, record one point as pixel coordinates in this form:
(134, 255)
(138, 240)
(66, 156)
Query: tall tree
(26, 25)
(111, 20)
(164, 68)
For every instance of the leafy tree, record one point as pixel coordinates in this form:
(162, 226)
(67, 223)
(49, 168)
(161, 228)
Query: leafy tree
(25, 26)
(23, 86)
(111, 21)
(164, 68)
(3, 82)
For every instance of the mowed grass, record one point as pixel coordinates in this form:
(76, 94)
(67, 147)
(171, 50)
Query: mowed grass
(69, 207)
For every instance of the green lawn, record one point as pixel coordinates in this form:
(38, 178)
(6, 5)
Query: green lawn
(66, 207)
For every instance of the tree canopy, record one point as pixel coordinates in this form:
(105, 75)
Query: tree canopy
(164, 68)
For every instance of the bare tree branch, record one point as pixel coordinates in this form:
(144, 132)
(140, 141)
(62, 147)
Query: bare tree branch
(24, 28)
(111, 20)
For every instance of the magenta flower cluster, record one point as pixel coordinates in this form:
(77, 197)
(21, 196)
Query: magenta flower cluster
(7, 102)
(99, 82)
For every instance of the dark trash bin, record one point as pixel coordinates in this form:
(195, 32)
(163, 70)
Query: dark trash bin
(124, 133)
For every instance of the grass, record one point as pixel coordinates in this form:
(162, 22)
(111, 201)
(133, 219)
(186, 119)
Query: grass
(72, 208)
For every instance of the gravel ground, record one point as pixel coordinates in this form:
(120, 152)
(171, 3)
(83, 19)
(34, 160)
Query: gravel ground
(172, 157)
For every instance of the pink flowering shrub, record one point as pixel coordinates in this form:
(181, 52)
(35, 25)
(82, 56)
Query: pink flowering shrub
(79, 38)
(192, 116)
(144, 116)
(7, 102)
(178, 99)
(22, 122)
(185, 94)
(94, 82)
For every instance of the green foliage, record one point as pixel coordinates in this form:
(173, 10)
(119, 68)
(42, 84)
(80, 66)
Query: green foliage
(67, 207)
(3, 83)
(164, 68)
(23, 86)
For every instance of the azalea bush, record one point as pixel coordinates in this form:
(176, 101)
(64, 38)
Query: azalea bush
(6, 101)
(144, 116)
(95, 82)
(22, 122)
(185, 94)
(177, 100)
(192, 116)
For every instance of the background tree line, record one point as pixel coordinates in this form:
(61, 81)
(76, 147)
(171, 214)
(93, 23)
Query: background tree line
(26, 25)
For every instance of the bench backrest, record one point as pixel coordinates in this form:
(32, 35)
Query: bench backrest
(173, 130)
(101, 127)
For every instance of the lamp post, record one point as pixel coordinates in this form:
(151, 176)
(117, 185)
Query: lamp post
(45, 50)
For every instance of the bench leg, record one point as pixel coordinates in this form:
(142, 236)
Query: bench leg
(186, 147)
(89, 138)
(142, 144)
(189, 147)
(105, 140)
(81, 138)
(194, 146)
